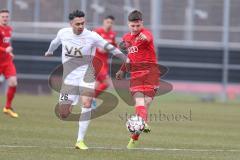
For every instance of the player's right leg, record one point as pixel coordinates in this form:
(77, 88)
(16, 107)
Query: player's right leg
(65, 104)
(141, 111)
(143, 98)
(9, 72)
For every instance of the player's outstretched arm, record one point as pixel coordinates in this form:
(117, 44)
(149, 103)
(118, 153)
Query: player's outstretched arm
(124, 68)
(116, 52)
(119, 75)
(53, 46)
(102, 43)
(48, 54)
(8, 49)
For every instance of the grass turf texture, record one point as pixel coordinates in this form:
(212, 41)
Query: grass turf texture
(212, 127)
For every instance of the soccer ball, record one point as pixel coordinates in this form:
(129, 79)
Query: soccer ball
(135, 124)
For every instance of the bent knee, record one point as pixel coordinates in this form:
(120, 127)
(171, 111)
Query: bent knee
(64, 111)
(87, 104)
(12, 82)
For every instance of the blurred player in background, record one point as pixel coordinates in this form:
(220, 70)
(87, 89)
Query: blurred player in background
(79, 47)
(144, 73)
(7, 67)
(101, 69)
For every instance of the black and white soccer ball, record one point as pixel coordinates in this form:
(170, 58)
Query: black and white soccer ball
(135, 124)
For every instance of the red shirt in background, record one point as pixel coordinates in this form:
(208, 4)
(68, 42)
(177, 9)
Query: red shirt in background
(5, 41)
(102, 68)
(110, 37)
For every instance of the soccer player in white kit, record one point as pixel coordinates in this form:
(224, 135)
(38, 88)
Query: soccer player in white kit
(78, 49)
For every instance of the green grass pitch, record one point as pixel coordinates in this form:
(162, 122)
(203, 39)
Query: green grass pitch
(192, 130)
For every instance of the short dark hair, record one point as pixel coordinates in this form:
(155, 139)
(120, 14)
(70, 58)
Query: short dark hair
(135, 16)
(110, 17)
(4, 11)
(75, 14)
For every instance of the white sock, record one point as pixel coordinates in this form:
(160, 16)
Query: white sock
(83, 123)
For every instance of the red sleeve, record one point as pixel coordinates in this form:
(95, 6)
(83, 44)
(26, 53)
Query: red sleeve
(148, 34)
(2, 49)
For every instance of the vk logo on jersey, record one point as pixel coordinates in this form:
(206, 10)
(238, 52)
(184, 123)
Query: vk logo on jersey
(133, 49)
(73, 52)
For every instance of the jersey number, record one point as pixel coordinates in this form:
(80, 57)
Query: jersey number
(64, 97)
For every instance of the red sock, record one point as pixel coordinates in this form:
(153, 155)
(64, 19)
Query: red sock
(10, 95)
(142, 112)
(101, 87)
(135, 137)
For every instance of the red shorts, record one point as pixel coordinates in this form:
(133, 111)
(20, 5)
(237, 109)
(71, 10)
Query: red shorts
(8, 69)
(146, 82)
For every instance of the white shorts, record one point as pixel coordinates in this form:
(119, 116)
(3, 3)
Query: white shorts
(76, 83)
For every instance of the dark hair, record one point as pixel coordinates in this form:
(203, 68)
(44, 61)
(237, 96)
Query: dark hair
(135, 16)
(110, 17)
(4, 11)
(75, 14)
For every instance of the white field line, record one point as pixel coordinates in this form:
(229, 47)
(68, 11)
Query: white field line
(136, 149)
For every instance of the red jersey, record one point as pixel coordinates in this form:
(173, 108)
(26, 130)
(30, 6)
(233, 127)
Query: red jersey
(108, 36)
(5, 38)
(140, 51)
(143, 63)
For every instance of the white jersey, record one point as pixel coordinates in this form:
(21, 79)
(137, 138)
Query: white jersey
(78, 52)
(80, 48)
(77, 46)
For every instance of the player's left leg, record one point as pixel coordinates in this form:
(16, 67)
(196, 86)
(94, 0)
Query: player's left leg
(101, 73)
(102, 79)
(150, 89)
(148, 100)
(10, 74)
(103, 85)
(84, 120)
(103, 82)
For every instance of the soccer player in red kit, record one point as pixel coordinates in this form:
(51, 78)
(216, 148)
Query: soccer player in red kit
(144, 72)
(101, 58)
(7, 67)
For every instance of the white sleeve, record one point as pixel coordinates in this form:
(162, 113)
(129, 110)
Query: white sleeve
(55, 43)
(99, 41)
(102, 43)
